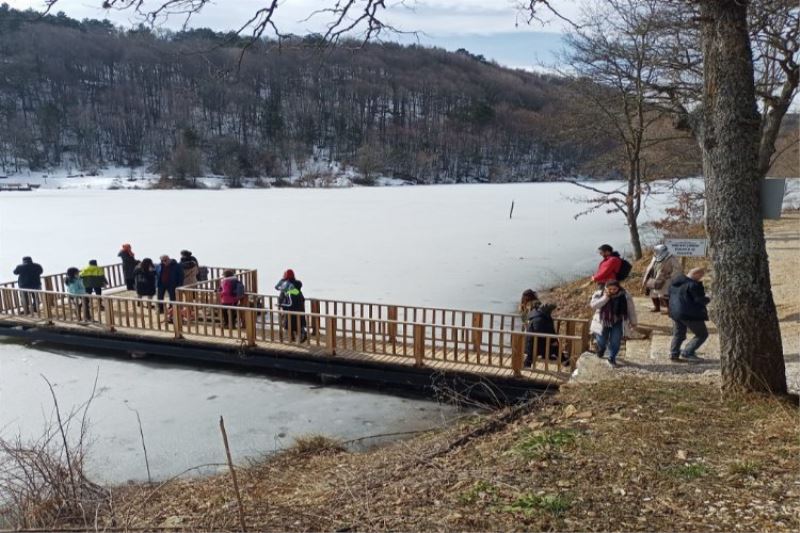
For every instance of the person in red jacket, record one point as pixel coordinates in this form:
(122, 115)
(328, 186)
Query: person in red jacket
(609, 267)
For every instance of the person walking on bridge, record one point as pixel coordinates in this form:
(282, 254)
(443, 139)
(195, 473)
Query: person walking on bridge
(291, 299)
(129, 263)
(614, 317)
(687, 309)
(169, 276)
(29, 276)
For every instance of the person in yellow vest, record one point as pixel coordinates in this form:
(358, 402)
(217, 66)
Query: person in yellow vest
(94, 278)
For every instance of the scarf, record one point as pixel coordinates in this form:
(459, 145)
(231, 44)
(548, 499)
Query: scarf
(615, 310)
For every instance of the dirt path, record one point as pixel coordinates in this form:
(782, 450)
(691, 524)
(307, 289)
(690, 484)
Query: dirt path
(651, 356)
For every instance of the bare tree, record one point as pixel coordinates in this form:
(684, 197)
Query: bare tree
(612, 57)
(737, 139)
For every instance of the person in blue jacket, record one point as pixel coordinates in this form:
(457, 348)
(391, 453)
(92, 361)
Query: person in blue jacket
(169, 276)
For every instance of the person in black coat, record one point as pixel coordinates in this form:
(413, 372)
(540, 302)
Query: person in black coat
(540, 320)
(687, 309)
(144, 277)
(129, 263)
(29, 276)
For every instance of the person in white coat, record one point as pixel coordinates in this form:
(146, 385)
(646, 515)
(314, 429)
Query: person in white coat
(662, 271)
(614, 318)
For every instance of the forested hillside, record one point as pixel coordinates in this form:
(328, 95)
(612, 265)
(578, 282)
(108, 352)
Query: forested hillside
(86, 94)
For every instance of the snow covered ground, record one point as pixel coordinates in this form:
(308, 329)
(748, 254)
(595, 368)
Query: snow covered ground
(316, 174)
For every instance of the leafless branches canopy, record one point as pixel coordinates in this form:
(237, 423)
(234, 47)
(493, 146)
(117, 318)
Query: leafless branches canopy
(346, 18)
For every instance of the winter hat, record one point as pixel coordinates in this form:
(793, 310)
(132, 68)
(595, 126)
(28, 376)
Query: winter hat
(27, 259)
(289, 275)
(93, 262)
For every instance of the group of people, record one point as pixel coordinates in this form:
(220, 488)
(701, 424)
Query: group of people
(681, 296)
(150, 280)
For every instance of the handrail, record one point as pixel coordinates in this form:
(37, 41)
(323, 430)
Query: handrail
(284, 311)
(475, 347)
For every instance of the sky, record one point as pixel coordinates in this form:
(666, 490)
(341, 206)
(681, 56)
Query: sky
(496, 29)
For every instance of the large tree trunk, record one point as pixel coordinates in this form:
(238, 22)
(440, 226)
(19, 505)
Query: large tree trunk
(743, 308)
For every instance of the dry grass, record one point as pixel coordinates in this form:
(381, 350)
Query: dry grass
(315, 444)
(629, 454)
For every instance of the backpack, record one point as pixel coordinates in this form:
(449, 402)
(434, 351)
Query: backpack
(624, 269)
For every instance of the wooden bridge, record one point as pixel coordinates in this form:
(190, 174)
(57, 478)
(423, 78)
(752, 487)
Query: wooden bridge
(343, 337)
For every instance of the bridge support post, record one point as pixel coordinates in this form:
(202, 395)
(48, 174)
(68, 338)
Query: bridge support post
(477, 322)
(254, 281)
(574, 346)
(391, 314)
(517, 349)
(419, 345)
(177, 319)
(585, 336)
(330, 334)
(250, 326)
(48, 300)
(109, 311)
(315, 317)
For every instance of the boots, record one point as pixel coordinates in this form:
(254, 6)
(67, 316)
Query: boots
(656, 305)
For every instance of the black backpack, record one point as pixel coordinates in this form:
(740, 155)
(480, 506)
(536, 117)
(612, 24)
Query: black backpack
(624, 269)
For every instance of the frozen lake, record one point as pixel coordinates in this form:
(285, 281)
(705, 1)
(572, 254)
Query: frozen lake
(448, 246)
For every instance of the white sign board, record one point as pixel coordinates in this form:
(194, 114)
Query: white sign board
(687, 247)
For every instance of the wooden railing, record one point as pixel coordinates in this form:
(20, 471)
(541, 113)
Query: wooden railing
(478, 348)
(445, 323)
